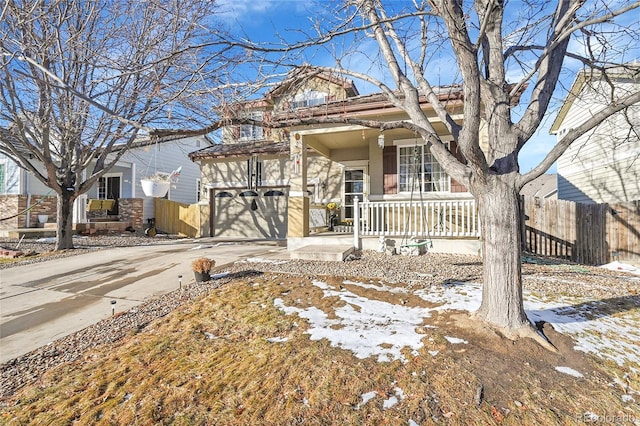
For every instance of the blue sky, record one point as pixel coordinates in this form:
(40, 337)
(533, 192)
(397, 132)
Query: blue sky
(266, 20)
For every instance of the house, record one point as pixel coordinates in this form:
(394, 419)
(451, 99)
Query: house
(147, 157)
(19, 189)
(602, 166)
(277, 183)
(544, 187)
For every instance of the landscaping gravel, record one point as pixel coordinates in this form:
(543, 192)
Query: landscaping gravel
(540, 275)
(545, 276)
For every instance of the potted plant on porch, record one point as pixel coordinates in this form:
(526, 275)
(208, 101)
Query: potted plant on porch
(202, 268)
(333, 209)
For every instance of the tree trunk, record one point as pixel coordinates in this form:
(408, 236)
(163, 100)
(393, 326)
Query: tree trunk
(65, 220)
(501, 306)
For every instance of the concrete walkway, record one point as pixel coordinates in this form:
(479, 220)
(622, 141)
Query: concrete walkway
(42, 302)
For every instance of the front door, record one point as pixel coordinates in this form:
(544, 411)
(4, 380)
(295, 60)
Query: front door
(354, 186)
(109, 189)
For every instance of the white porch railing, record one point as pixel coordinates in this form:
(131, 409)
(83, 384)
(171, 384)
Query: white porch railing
(420, 219)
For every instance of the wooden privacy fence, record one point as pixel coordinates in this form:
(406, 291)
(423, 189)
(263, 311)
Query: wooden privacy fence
(586, 233)
(177, 218)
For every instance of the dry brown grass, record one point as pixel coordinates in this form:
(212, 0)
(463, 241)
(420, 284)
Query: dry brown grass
(210, 363)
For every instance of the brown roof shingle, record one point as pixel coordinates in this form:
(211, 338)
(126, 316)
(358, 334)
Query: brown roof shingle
(241, 149)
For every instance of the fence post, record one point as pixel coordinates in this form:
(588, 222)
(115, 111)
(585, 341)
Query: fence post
(356, 224)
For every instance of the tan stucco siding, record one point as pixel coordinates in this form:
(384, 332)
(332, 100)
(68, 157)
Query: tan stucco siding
(263, 216)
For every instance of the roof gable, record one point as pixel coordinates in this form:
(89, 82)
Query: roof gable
(300, 76)
(581, 80)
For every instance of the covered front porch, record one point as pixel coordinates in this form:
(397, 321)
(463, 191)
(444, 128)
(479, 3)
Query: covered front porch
(441, 226)
(388, 186)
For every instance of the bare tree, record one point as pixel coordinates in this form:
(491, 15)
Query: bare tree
(488, 40)
(78, 78)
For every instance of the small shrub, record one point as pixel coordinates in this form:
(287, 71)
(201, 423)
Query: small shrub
(203, 264)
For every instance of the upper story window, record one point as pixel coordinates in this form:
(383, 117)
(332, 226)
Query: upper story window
(251, 132)
(418, 170)
(309, 98)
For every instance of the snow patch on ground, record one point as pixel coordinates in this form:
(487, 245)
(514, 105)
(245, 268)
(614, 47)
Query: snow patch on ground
(364, 326)
(570, 371)
(622, 267)
(262, 260)
(277, 339)
(455, 340)
(393, 399)
(382, 329)
(366, 397)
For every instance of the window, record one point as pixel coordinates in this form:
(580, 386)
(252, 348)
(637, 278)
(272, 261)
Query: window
(418, 170)
(249, 131)
(354, 187)
(308, 98)
(102, 188)
(198, 190)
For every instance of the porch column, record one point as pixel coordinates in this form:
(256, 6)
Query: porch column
(298, 212)
(376, 176)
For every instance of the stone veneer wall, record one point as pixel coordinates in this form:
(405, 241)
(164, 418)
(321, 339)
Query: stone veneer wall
(12, 204)
(130, 210)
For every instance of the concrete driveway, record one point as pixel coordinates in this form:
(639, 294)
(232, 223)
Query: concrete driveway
(42, 302)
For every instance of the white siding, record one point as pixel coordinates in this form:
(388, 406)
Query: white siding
(11, 176)
(166, 157)
(20, 182)
(602, 166)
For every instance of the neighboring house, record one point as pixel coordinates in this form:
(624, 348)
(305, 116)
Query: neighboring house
(602, 166)
(145, 157)
(544, 187)
(276, 183)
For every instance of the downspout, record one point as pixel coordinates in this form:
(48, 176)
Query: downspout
(27, 222)
(133, 180)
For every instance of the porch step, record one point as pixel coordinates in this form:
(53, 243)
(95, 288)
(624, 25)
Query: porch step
(336, 253)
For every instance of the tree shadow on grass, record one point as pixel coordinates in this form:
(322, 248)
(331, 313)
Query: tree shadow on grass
(586, 311)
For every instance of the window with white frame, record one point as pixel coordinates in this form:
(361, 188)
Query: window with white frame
(309, 98)
(198, 190)
(102, 188)
(418, 170)
(251, 132)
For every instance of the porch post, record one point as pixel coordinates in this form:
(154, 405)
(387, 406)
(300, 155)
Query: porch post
(298, 211)
(356, 223)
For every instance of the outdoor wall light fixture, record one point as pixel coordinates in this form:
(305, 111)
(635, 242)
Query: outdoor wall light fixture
(381, 140)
